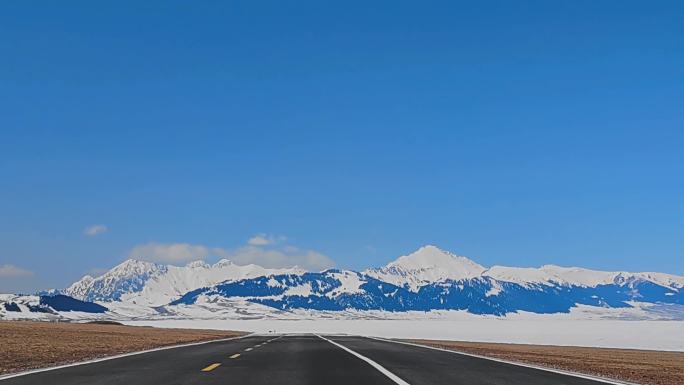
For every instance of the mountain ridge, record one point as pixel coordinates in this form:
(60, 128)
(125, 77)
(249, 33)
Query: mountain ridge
(428, 264)
(427, 279)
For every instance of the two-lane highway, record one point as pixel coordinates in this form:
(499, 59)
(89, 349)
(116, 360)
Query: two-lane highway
(297, 360)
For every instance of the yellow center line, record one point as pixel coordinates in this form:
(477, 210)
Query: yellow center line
(235, 355)
(211, 367)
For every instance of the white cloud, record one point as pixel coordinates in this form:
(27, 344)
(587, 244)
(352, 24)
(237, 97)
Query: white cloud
(288, 256)
(265, 239)
(94, 230)
(11, 271)
(259, 240)
(169, 252)
(270, 255)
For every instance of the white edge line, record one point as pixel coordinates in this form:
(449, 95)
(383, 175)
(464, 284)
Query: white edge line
(33, 371)
(531, 366)
(374, 364)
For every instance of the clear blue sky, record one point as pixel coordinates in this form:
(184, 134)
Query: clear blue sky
(516, 133)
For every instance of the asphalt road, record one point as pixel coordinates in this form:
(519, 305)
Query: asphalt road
(297, 360)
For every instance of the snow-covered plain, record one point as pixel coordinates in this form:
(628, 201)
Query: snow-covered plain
(632, 328)
(541, 330)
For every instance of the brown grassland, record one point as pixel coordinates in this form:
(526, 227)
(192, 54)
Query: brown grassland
(638, 366)
(29, 345)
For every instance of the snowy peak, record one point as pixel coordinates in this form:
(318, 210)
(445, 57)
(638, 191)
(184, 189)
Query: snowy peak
(152, 284)
(223, 262)
(79, 288)
(133, 267)
(428, 264)
(432, 257)
(128, 277)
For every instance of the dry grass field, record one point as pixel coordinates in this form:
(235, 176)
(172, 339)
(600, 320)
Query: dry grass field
(638, 366)
(29, 345)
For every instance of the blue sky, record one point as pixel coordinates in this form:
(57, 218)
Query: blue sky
(344, 133)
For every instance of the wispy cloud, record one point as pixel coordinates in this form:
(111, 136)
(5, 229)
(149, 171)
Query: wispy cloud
(287, 256)
(94, 230)
(265, 239)
(11, 271)
(267, 251)
(169, 252)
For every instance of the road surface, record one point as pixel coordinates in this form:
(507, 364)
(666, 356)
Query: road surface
(298, 360)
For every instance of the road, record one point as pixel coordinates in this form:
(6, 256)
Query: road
(298, 360)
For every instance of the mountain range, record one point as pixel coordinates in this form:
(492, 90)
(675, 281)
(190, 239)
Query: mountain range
(429, 279)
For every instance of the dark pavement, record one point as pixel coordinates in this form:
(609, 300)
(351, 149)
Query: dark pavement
(297, 359)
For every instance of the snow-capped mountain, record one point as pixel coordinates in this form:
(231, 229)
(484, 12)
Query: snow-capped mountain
(426, 265)
(126, 278)
(429, 279)
(433, 279)
(153, 284)
(429, 264)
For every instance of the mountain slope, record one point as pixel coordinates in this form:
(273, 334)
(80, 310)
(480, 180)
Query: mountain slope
(330, 290)
(577, 276)
(42, 307)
